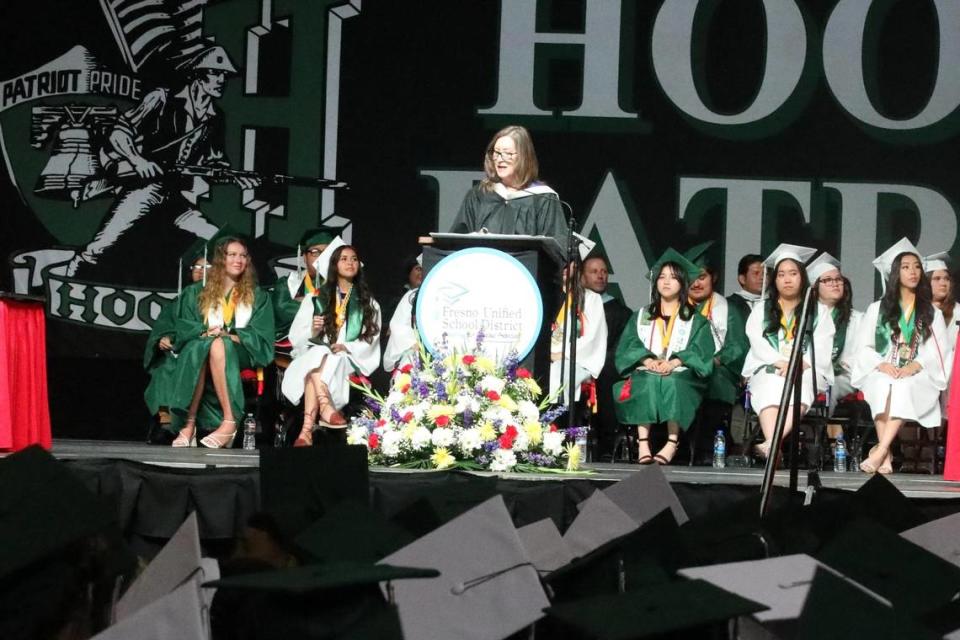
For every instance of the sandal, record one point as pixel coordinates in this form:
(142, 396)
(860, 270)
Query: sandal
(663, 460)
(305, 439)
(329, 416)
(647, 459)
(182, 441)
(220, 440)
(870, 467)
(762, 449)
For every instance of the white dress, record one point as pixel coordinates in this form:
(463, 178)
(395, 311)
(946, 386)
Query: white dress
(842, 386)
(360, 355)
(915, 398)
(766, 387)
(591, 346)
(403, 335)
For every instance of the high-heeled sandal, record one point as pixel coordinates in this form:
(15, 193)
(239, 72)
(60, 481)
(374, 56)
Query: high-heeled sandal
(334, 419)
(305, 439)
(182, 441)
(647, 459)
(663, 460)
(869, 467)
(220, 440)
(886, 467)
(762, 449)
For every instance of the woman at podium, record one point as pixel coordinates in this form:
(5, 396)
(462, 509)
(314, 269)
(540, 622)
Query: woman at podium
(510, 199)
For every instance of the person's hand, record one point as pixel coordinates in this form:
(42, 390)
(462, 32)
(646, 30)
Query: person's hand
(781, 367)
(234, 337)
(338, 348)
(672, 364)
(889, 369)
(317, 326)
(911, 369)
(245, 182)
(146, 168)
(213, 332)
(165, 344)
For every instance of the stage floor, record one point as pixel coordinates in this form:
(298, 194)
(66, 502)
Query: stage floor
(911, 485)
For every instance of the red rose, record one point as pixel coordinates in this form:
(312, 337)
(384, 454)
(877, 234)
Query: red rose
(373, 441)
(405, 388)
(553, 428)
(407, 368)
(493, 395)
(442, 421)
(506, 441)
(381, 422)
(408, 416)
(510, 431)
(468, 360)
(523, 373)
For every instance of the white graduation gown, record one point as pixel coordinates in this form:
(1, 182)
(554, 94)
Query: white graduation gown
(402, 343)
(915, 398)
(766, 388)
(307, 356)
(591, 346)
(842, 386)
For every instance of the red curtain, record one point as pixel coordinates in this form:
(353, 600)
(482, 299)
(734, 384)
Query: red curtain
(951, 467)
(24, 407)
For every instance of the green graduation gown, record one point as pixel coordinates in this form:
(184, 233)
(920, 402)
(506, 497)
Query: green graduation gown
(285, 303)
(161, 365)
(730, 333)
(255, 328)
(647, 398)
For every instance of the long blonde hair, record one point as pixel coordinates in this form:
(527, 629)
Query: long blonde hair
(527, 169)
(212, 295)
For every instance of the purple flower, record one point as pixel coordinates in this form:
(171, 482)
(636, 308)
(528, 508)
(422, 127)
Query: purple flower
(551, 414)
(423, 389)
(480, 337)
(467, 417)
(395, 415)
(372, 403)
(441, 390)
(510, 364)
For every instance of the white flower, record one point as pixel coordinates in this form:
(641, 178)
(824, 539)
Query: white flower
(522, 441)
(420, 409)
(529, 411)
(443, 437)
(553, 442)
(465, 402)
(390, 443)
(357, 434)
(503, 460)
(506, 419)
(492, 383)
(395, 397)
(421, 438)
(469, 441)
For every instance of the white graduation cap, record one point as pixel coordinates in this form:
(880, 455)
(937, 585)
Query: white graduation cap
(884, 262)
(487, 588)
(796, 252)
(645, 494)
(177, 562)
(584, 245)
(545, 546)
(936, 262)
(823, 263)
(322, 263)
(600, 520)
(939, 537)
(420, 259)
(179, 614)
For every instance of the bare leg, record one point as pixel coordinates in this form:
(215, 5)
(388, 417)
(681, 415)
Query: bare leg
(218, 364)
(881, 458)
(643, 446)
(185, 437)
(305, 439)
(665, 455)
(768, 422)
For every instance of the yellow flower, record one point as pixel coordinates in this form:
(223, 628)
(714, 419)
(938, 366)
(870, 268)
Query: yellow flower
(532, 386)
(507, 403)
(573, 457)
(442, 458)
(401, 381)
(485, 364)
(452, 388)
(534, 431)
(408, 430)
(488, 432)
(438, 410)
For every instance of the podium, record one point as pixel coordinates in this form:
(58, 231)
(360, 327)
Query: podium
(541, 256)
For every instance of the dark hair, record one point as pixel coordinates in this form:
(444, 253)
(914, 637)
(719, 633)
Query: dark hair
(890, 302)
(773, 296)
(744, 265)
(360, 289)
(686, 310)
(844, 305)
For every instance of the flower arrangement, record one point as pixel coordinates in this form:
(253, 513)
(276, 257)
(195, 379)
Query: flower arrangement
(463, 410)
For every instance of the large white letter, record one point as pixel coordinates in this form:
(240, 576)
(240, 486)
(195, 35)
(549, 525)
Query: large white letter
(601, 60)
(843, 65)
(786, 52)
(858, 235)
(744, 213)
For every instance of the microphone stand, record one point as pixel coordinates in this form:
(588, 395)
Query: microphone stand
(570, 320)
(793, 385)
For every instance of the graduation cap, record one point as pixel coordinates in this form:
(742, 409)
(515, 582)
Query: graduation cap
(936, 262)
(697, 254)
(691, 270)
(322, 235)
(837, 609)
(322, 264)
(545, 546)
(884, 262)
(600, 520)
(795, 252)
(584, 245)
(351, 531)
(487, 588)
(645, 494)
(327, 576)
(822, 264)
(179, 614)
(939, 537)
(680, 605)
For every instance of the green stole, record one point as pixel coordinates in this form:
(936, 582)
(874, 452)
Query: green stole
(774, 338)
(883, 333)
(839, 339)
(354, 315)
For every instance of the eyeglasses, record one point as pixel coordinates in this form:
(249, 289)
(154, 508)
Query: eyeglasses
(199, 267)
(314, 252)
(831, 281)
(503, 155)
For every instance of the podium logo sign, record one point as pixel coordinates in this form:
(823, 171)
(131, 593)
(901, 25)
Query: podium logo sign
(478, 289)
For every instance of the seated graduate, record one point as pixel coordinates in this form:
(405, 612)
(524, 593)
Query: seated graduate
(900, 362)
(510, 199)
(404, 338)
(223, 325)
(727, 326)
(750, 276)
(666, 357)
(590, 325)
(336, 332)
(160, 356)
(412, 276)
(835, 296)
(771, 330)
(944, 297)
(288, 292)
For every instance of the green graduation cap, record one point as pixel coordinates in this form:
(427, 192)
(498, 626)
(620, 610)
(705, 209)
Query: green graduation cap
(194, 251)
(319, 235)
(691, 270)
(697, 254)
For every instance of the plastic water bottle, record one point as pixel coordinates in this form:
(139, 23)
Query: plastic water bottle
(279, 434)
(840, 455)
(719, 450)
(581, 442)
(249, 433)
